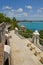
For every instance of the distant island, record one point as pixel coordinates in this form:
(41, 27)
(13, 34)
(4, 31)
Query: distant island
(30, 20)
(24, 21)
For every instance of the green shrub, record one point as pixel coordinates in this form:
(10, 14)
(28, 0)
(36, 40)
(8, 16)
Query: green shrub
(41, 42)
(26, 33)
(41, 34)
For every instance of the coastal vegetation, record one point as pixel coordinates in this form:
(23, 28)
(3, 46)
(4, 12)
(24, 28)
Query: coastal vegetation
(8, 21)
(26, 33)
(41, 36)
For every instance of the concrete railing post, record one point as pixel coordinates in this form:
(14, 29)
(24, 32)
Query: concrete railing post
(36, 37)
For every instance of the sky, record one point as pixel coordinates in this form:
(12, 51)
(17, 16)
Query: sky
(22, 9)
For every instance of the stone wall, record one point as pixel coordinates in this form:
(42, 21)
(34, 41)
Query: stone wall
(1, 54)
(2, 31)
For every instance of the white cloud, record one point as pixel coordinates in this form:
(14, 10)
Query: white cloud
(7, 7)
(20, 10)
(13, 13)
(25, 14)
(13, 10)
(10, 12)
(39, 10)
(28, 7)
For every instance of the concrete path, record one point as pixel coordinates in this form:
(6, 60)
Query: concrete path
(20, 53)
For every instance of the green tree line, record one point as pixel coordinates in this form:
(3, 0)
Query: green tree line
(13, 22)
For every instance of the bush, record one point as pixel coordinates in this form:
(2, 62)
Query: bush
(41, 42)
(41, 34)
(29, 31)
(26, 33)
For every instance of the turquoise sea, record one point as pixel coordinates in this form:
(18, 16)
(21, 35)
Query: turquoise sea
(32, 25)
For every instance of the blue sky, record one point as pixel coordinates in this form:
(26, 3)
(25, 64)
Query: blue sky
(22, 9)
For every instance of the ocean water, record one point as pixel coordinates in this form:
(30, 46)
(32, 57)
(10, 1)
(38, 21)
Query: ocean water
(32, 25)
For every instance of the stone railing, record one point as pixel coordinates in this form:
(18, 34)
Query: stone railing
(1, 54)
(35, 39)
(2, 31)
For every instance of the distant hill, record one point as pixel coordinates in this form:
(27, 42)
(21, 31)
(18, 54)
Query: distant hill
(30, 21)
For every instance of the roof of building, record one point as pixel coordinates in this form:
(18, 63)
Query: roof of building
(22, 26)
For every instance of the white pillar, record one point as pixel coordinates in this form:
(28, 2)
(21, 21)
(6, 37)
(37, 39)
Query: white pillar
(36, 37)
(7, 51)
(7, 38)
(16, 30)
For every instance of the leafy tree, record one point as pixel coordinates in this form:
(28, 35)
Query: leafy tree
(14, 19)
(7, 20)
(14, 23)
(2, 17)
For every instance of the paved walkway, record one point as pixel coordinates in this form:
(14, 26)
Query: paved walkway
(20, 53)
